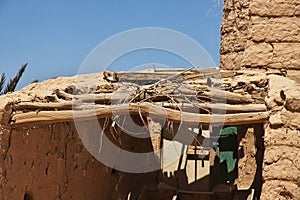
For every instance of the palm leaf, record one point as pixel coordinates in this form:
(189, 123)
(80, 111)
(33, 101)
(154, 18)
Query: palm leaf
(2, 80)
(10, 87)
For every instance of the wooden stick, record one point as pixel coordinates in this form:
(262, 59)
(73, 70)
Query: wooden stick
(216, 107)
(164, 73)
(229, 97)
(146, 109)
(96, 98)
(37, 105)
(185, 106)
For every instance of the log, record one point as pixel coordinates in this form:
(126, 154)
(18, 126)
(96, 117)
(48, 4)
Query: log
(42, 106)
(153, 76)
(225, 96)
(184, 106)
(227, 73)
(145, 109)
(216, 107)
(105, 98)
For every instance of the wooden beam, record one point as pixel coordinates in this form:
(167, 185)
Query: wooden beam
(145, 109)
(186, 107)
(105, 98)
(228, 108)
(41, 106)
(225, 96)
(159, 74)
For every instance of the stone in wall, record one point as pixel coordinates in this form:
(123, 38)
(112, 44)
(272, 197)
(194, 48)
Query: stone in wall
(275, 120)
(279, 29)
(275, 8)
(276, 55)
(292, 96)
(232, 61)
(234, 42)
(277, 161)
(278, 85)
(280, 137)
(236, 4)
(277, 189)
(236, 19)
(291, 119)
(286, 55)
(258, 54)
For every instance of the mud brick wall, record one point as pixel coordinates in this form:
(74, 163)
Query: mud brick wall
(50, 162)
(281, 165)
(260, 34)
(266, 35)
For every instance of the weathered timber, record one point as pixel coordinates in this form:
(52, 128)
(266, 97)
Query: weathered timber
(145, 109)
(96, 98)
(225, 96)
(36, 105)
(187, 107)
(152, 76)
(228, 108)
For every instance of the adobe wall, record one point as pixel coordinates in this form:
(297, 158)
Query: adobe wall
(265, 35)
(281, 163)
(260, 34)
(50, 162)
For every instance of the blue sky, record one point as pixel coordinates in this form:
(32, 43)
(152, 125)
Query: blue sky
(55, 37)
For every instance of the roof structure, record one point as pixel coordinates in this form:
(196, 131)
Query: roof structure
(189, 96)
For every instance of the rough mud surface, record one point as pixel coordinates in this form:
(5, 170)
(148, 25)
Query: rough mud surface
(264, 35)
(260, 34)
(281, 169)
(49, 161)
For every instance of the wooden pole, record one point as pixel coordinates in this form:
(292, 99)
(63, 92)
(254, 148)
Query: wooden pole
(145, 109)
(185, 106)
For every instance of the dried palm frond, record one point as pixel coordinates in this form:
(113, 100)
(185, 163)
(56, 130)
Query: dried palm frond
(2, 80)
(10, 87)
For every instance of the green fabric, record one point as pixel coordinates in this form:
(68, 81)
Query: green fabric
(227, 146)
(231, 130)
(227, 156)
